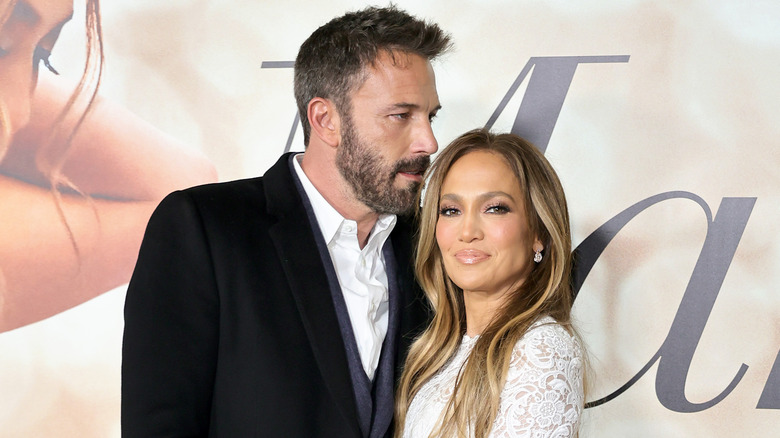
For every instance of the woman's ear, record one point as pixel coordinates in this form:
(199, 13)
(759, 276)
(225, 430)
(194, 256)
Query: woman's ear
(324, 121)
(537, 246)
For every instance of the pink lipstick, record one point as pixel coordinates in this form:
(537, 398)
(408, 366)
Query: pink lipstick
(471, 256)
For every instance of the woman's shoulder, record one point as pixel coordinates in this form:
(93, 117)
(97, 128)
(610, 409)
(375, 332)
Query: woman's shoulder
(547, 340)
(543, 394)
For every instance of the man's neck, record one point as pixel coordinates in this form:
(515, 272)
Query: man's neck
(339, 194)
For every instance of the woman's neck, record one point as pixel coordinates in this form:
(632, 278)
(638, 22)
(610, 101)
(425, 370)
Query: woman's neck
(480, 308)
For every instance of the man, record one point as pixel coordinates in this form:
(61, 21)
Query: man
(283, 306)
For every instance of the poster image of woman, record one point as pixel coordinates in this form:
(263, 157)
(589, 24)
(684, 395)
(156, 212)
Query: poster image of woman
(79, 175)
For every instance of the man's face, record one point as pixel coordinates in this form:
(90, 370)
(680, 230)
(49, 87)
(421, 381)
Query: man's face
(386, 138)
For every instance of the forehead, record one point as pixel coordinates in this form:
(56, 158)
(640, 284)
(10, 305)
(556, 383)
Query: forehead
(399, 77)
(479, 172)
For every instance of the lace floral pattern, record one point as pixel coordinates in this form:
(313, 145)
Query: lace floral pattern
(542, 397)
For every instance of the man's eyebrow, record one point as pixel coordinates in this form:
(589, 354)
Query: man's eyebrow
(404, 105)
(407, 105)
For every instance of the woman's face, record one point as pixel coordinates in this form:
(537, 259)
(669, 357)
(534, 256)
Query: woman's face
(27, 38)
(482, 230)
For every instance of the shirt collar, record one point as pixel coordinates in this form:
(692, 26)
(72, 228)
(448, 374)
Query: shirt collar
(329, 220)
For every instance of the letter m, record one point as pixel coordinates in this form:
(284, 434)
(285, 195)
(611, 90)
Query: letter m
(544, 96)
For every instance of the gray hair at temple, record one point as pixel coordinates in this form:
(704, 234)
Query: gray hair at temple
(332, 62)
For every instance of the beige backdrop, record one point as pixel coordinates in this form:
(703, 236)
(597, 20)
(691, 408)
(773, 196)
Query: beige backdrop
(695, 109)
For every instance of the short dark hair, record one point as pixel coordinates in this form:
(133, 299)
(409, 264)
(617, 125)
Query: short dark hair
(332, 61)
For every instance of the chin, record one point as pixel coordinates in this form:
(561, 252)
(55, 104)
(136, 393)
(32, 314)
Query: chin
(470, 284)
(403, 183)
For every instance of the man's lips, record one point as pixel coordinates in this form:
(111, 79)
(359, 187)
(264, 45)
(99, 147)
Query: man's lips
(417, 176)
(413, 168)
(471, 256)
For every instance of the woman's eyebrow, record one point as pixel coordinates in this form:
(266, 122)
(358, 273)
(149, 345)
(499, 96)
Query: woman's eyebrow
(25, 13)
(481, 198)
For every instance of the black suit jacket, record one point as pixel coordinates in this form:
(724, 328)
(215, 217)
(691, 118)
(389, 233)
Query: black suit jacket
(230, 328)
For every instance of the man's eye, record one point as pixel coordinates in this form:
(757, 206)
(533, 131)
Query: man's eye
(401, 116)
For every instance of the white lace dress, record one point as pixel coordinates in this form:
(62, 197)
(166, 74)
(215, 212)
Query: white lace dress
(542, 397)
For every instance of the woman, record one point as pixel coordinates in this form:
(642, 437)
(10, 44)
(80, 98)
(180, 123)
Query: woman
(79, 176)
(500, 357)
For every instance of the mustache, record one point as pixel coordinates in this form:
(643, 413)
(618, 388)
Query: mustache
(416, 165)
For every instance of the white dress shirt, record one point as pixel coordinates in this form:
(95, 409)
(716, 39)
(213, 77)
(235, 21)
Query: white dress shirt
(362, 273)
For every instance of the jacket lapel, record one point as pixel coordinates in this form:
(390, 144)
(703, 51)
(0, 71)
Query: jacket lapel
(293, 237)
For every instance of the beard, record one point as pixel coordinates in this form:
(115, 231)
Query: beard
(372, 178)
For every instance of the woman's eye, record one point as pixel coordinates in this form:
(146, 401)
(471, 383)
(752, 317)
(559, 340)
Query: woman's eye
(42, 55)
(499, 209)
(448, 211)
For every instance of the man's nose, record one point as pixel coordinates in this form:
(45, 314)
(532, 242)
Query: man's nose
(424, 141)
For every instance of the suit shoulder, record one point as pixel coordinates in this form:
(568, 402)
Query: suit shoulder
(239, 187)
(211, 201)
(224, 194)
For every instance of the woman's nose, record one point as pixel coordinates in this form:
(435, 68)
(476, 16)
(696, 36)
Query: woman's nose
(17, 85)
(471, 229)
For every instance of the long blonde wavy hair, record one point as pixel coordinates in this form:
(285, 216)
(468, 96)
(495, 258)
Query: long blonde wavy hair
(547, 292)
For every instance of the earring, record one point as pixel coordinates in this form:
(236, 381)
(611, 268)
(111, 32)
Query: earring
(538, 256)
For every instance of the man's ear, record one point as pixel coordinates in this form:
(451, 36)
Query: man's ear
(324, 121)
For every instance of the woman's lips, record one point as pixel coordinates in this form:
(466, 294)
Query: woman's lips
(471, 256)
